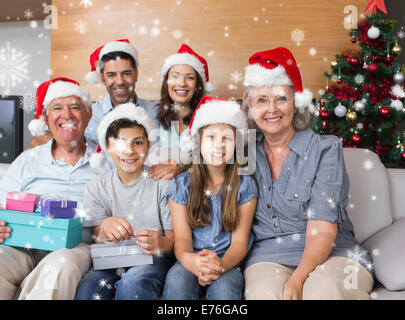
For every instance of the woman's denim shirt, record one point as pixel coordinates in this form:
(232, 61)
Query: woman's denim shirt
(313, 185)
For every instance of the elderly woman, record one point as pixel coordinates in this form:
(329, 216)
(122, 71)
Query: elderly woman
(304, 241)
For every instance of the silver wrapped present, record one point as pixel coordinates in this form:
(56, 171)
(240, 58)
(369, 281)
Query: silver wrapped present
(111, 255)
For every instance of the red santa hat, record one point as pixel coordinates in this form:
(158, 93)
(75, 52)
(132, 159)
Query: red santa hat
(50, 90)
(129, 111)
(213, 110)
(187, 56)
(122, 45)
(277, 67)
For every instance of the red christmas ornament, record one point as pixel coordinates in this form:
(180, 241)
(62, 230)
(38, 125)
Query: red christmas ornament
(373, 68)
(385, 112)
(389, 59)
(364, 66)
(339, 80)
(354, 40)
(322, 103)
(353, 61)
(356, 139)
(324, 126)
(324, 114)
(327, 90)
(403, 155)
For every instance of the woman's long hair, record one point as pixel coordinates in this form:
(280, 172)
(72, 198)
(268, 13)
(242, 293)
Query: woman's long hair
(199, 212)
(166, 114)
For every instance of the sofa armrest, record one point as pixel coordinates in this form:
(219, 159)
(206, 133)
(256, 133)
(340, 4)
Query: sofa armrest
(3, 169)
(388, 249)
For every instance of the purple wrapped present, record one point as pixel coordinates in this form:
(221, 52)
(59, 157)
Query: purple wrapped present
(58, 208)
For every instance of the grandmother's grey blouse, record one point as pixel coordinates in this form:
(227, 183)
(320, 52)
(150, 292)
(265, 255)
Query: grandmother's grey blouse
(313, 184)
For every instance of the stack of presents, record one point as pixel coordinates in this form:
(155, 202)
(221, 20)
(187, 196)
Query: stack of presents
(47, 223)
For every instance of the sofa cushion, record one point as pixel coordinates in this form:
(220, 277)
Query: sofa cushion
(383, 294)
(397, 182)
(369, 206)
(388, 251)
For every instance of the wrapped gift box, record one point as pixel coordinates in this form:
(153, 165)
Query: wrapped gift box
(111, 255)
(58, 208)
(32, 231)
(22, 201)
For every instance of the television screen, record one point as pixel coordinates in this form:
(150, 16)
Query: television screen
(11, 128)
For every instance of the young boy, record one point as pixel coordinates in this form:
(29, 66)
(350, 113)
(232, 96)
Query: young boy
(124, 203)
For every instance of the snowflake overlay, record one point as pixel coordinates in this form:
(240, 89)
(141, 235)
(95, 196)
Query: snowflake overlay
(13, 67)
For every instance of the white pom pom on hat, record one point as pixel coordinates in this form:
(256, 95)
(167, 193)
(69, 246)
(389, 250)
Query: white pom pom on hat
(97, 159)
(50, 90)
(186, 55)
(122, 45)
(277, 67)
(37, 127)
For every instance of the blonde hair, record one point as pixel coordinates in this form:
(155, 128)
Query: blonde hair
(300, 121)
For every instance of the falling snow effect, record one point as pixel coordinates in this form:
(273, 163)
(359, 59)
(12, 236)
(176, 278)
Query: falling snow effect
(86, 3)
(177, 34)
(357, 254)
(81, 26)
(297, 36)
(13, 67)
(28, 14)
(236, 76)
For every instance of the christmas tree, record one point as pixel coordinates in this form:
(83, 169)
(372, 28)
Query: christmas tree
(365, 103)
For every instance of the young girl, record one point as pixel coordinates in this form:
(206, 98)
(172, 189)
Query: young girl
(212, 208)
(185, 81)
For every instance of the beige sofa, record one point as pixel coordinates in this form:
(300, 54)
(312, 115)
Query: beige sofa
(375, 207)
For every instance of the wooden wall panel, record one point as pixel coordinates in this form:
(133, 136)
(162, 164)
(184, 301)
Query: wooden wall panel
(225, 32)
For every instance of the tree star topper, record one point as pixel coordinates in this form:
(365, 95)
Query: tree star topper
(374, 5)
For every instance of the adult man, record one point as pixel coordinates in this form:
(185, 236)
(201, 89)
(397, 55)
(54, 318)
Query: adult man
(59, 167)
(115, 65)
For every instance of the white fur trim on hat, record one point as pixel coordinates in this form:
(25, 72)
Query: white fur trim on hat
(190, 60)
(258, 76)
(214, 112)
(61, 89)
(123, 46)
(37, 127)
(130, 111)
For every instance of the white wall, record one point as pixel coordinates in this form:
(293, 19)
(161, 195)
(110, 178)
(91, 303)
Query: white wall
(33, 42)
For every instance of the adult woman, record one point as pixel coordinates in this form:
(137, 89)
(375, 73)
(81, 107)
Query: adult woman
(185, 82)
(304, 246)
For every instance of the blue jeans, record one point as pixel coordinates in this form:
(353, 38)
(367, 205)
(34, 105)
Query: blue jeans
(181, 284)
(143, 282)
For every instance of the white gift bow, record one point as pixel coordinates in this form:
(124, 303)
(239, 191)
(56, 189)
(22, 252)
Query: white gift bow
(58, 197)
(123, 244)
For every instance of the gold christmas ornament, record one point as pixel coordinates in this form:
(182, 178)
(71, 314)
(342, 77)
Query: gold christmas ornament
(334, 64)
(400, 146)
(351, 116)
(397, 49)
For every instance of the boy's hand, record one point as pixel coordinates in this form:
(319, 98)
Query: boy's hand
(149, 241)
(164, 171)
(116, 229)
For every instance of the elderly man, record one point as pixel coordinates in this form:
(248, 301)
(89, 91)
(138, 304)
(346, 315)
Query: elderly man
(61, 166)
